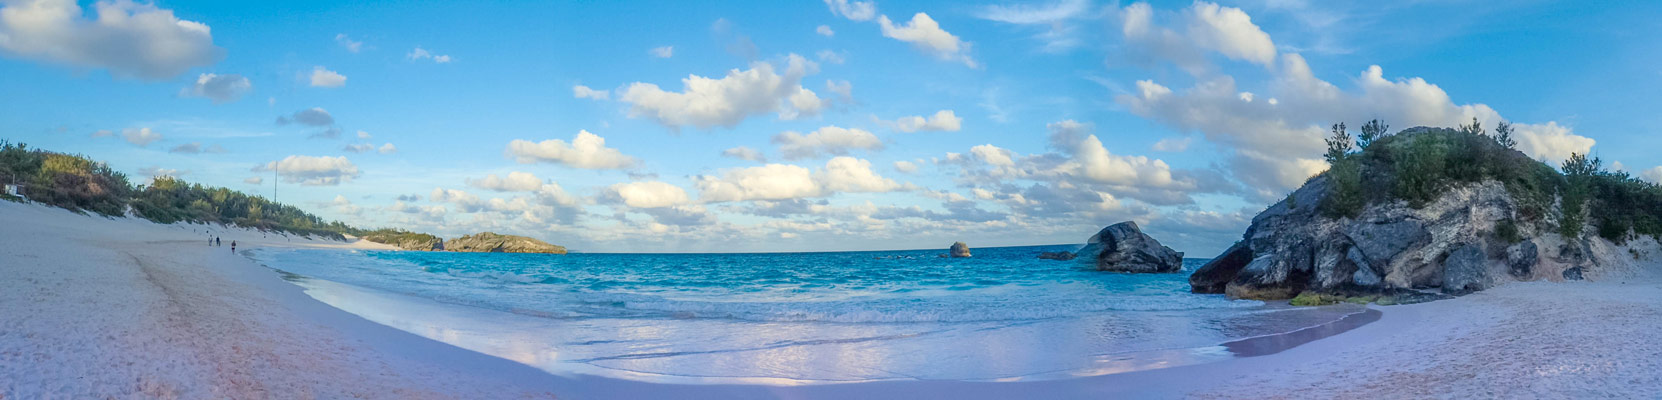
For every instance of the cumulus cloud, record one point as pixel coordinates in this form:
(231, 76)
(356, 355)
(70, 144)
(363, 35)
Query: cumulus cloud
(1205, 27)
(587, 151)
(826, 140)
(141, 136)
(584, 92)
(515, 182)
(784, 181)
(1550, 141)
(127, 38)
(254, 180)
(651, 194)
(943, 120)
(905, 166)
(419, 54)
(314, 116)
(323, 77)
(926, 35)
(824, 30)
(348, 44)
(853, 10)
(312, 171)
(1654, 174)
(706, 102)
(744, 153)
(1173, 144)
(196, 148)
(387, 148)
(662, 52)
(220, 88)
(831, 56)
(358, 148)
(1230, 32)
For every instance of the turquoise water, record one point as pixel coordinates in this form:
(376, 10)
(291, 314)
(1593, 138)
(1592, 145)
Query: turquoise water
(801, 317)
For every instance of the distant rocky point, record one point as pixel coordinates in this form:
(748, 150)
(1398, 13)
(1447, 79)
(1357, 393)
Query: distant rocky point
(487, 242)
(1057, 255)
(1123, 247)
(959, 250)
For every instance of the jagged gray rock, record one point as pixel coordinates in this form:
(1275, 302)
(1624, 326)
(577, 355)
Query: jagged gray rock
(1123, 247)
(1465, 270)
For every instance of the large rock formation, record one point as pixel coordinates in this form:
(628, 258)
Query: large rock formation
(959, 250)
(1472, 236)
(1122, 247)
(488, 242)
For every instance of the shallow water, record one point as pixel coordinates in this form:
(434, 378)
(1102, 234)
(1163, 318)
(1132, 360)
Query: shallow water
(795, 317)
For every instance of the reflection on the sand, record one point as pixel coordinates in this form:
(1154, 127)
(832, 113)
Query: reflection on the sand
(779, 353)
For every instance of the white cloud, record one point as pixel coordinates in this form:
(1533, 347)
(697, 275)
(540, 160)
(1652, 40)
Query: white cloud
(196, 148)
(943, 120)
(1173, 144)
(744, 153)
(662, 52)
(926, 35)
(315, 116)
(587, 151)
(322, 77)
(905, 166)
(220, 88)
(358, 148)
(843, 89)
(1207, 26)
(515, 182)
(853, 10)
(783, 181)
(652, 194)
(157, 172)
(1056, 19)
(1550, 141)
(825, 30)
(313, 171)
(387, 148)
(141, 137)
(345, 206)
(993, 155)
(584, 92)
(1654, 174)
(826, 140)
(363, 135)
(423, 54)
(1230, 32)
(129, 39)
(254, 180)
(705, 102)
(349, 44)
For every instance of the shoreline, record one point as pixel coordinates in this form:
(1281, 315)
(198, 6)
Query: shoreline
(184, 320)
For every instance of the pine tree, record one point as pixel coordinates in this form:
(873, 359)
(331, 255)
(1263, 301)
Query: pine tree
(1476, 128)
(1503, 135)
(1339, 144)
(1372, 131)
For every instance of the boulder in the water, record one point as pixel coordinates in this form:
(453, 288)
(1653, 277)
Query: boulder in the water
(1123, 247)
(959, 250)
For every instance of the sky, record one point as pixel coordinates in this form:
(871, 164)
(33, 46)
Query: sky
(807, 125)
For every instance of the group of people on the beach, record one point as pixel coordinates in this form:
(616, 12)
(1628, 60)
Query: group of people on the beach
(214, 241)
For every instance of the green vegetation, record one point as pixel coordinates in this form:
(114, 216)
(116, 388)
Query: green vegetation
(402, 239)
(1419, 165)
(77, 183)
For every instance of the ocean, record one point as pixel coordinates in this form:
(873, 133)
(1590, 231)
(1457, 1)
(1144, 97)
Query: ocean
(795, 318)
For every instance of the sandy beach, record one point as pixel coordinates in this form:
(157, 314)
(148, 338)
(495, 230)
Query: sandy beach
(94, 307)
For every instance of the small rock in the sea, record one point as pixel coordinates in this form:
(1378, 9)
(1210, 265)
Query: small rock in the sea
(959, 250)
(1056, 255)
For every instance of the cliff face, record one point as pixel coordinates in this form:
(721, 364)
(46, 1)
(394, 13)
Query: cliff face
(1472, 236)
(488, 242)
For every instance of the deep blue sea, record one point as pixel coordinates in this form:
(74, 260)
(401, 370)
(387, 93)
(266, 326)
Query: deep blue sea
(792, 317)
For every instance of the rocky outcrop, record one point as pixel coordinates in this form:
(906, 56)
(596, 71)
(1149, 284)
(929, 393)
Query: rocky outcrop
(1123, 247)
(958, 250)
(1448, 245)
(1057, 255)
(488, 242)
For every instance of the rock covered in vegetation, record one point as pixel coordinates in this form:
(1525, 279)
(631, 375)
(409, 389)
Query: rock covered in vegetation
(1480, 214)
(488, 242)
(1123, 247)
(1056, 255)
(958, 250)
(405, 240)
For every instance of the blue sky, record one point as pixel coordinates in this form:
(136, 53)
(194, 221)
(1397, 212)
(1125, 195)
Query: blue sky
(809, 125)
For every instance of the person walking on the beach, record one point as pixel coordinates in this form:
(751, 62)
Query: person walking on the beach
(233, 247)
(216, 241)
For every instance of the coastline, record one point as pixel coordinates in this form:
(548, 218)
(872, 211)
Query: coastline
(184, 320)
